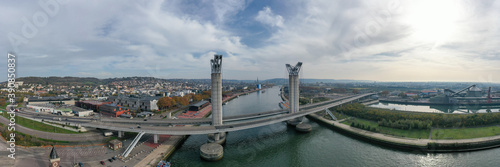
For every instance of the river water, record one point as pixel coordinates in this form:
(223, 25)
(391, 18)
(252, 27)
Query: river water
(278, 145)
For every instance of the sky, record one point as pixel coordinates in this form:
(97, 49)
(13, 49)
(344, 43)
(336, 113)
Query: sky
(395, 40)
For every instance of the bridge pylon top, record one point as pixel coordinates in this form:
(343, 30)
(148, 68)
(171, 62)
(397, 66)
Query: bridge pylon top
(294, 70)
(216, 64)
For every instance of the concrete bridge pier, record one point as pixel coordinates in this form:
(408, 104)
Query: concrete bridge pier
(155, 138)
(295, 121)
(120, 134)
(219, 138)
(211, 151)
(303, 127)
(169, 115)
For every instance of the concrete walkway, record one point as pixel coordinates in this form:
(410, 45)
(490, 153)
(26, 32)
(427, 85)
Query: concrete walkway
(166, 147)
(420, 143)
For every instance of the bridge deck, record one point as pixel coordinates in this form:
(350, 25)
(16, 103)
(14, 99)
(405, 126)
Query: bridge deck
(182, 130)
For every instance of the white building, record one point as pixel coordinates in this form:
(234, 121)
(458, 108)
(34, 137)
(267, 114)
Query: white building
(84, 113)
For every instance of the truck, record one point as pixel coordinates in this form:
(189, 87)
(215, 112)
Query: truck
(108, 133)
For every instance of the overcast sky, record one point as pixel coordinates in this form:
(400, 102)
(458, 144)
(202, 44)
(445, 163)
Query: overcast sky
(394, 40)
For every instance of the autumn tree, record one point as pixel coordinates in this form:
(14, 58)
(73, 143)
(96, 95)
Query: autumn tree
(384, 93)
(3, 102)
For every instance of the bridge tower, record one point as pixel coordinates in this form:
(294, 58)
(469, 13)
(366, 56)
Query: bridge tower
(216, 89)
(213, 151)
(293, 91)
(216, 64)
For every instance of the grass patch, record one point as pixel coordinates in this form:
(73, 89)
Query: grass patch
(41, 126)
(336, 114)
(414, 133)
(35, 125)
(465, 133)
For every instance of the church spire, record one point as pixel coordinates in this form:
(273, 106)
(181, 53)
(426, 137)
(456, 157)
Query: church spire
(53, 153)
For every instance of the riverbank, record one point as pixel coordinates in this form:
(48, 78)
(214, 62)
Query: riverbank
(421, 102)
(162, 152)
(422, 145)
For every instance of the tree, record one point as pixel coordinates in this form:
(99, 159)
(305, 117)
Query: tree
(184, 101)
(197, 97)
(403, 95)
(384, 93)
(355, 91)
(207, 93)
(162, 103)
(3, 102)
(415, 97)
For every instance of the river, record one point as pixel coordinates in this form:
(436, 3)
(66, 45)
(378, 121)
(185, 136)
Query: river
(278, 145)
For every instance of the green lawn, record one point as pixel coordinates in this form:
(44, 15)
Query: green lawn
(38, 125)
(414, 133)
(336, 114)
(465, 133)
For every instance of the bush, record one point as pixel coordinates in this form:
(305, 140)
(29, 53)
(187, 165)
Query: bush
(418, 120)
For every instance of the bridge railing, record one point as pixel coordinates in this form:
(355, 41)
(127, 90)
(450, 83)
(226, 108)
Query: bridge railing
(132, 145)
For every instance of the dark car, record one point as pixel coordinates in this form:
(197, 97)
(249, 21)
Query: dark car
(110, 160)
(138, 126)
(80, 164)
(102, 163)
(113, 158)
(145, 119)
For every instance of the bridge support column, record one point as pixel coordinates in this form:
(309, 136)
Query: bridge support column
(293, 91)
(216, 101)
(155, 138)
(216, 90)
(169, 115)
(219, 138)
(120, 134)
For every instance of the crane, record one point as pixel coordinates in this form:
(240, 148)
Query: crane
(489, 95)
(467, 88)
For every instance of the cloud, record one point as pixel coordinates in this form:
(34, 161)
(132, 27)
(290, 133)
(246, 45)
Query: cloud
(356, 39)
(266, 16)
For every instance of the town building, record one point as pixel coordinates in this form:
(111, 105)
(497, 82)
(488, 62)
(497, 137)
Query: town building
(49, 108)
(91, 104)
(135, 103)
(145, 114)
(113, 110)
(198, 106)
(52, 100)
(83, 113)
(115, 144)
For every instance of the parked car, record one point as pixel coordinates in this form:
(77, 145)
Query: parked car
(102, 163)
(110, 160)
(80, 164)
